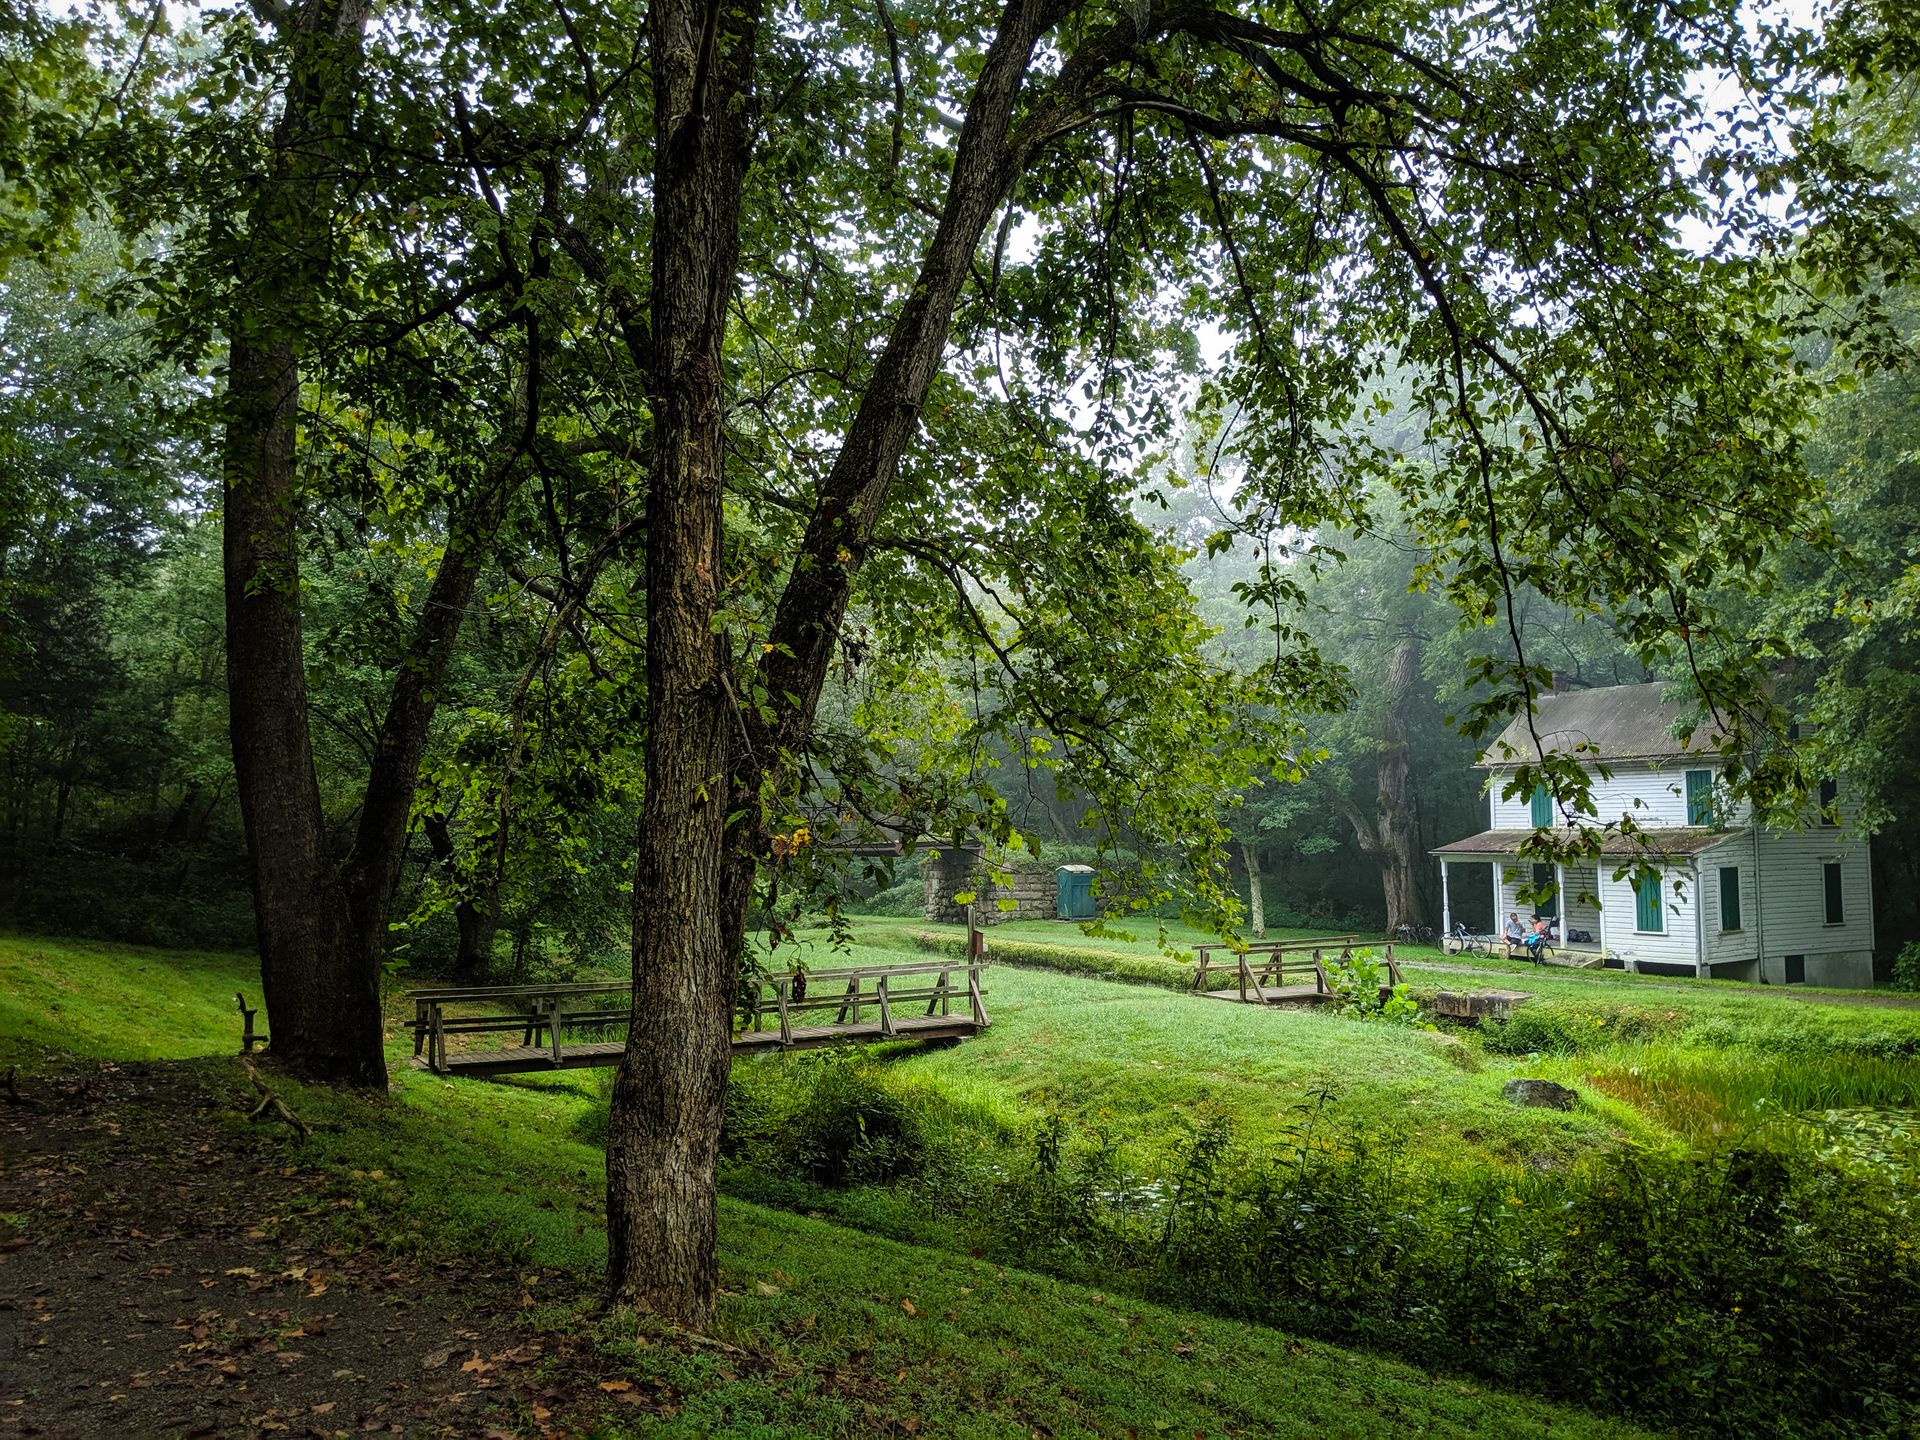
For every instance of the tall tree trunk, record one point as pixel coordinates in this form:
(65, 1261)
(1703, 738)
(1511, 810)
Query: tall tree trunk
(1397, 821)
(1256, 903)
(322, 928)
(695, 875)
(324, 1015)
(670, 1092)
(1391, 835)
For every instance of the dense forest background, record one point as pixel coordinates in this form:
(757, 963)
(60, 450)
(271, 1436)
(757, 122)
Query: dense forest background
(120, 817)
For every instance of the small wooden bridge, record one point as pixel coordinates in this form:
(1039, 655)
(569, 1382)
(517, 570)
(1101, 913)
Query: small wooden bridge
(567, 1027)
(1285, 972)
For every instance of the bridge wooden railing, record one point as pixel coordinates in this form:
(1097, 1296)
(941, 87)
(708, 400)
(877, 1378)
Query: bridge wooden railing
(866, 1003)
(1306, 961)
(534, 1010)
(887, 993)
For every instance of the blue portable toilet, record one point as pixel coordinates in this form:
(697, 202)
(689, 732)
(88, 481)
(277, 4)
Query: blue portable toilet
(1075, 890)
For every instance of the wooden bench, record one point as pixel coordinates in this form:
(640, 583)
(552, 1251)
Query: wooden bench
(867, 1003)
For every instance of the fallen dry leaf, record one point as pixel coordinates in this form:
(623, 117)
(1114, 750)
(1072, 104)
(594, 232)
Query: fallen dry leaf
(616, 1387)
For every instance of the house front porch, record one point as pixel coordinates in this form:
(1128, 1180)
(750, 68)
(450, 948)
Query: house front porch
(1597, 919)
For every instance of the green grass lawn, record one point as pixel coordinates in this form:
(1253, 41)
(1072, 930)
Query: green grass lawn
(866, 1335)
(122, 1002)
(1143, 1066)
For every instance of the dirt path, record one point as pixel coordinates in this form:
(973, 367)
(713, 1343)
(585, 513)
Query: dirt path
(157, 1278)
(1873, 998)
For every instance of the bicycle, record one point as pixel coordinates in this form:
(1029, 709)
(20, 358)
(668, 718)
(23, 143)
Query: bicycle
(1462, 941)
(1411, 934)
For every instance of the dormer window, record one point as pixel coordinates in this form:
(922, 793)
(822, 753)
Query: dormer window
(1829, 793)
(1542, 807)
(1699, 797)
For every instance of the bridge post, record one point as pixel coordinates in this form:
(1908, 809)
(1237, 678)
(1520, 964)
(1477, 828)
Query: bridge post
(780, 985)
(886, 1013)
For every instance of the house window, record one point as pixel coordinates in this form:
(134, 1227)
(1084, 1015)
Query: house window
(1542, 878)
(1829, 792)
(1729, 897)
(1542, 807)
(1836, 907)
(1699, 797)
(1796, 969)
(1650, 917)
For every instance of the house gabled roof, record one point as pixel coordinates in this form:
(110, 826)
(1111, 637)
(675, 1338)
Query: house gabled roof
(1619, 722)
(1656, 842)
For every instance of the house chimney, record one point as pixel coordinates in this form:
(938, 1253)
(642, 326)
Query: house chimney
(1558, 684)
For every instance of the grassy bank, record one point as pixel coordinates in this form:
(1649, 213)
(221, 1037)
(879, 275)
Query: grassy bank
(862, 1335)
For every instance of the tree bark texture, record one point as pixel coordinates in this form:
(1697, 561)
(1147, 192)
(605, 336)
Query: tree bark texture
(324, 1014)
(322, 921)
(695, 873)
(670, 1091)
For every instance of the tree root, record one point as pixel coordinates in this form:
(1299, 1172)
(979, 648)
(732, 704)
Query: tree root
(272, 1104)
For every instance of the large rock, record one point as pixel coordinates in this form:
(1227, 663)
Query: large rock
(1540, 1092)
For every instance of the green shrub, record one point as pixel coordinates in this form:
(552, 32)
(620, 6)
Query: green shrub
(1357, 983)
(827, 1116)
(1741, 1292)
(1906, 967)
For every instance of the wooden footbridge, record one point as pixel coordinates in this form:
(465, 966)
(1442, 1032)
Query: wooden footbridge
(1285, 972)
(567, 1027)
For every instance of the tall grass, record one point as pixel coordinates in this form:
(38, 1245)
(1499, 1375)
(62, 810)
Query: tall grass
(1701, 1093)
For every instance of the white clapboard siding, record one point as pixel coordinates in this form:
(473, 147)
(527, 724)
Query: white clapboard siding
(1725, 947)
(1648, 795)
(1676, 945)
(1793, 888)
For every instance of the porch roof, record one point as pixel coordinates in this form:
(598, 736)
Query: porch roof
(1665, 842)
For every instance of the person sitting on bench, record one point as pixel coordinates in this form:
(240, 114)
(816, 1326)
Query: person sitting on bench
(1516, 933)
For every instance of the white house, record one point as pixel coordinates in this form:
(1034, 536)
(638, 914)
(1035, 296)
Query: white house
(1732, 899)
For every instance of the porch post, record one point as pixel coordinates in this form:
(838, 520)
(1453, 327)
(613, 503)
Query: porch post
(1560, 899)
(1701, 969)
(1600, 899)
(1446, 905)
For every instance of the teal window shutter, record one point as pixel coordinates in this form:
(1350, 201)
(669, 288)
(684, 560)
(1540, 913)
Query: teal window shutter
(1542, 807)
(1729, 897)
(1542, 878)
(1699, 797)
(1650, 917)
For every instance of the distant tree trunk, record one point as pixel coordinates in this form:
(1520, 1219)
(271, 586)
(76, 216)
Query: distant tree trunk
(1391, 836)
(1256, 904)
(474, 914)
